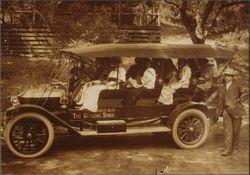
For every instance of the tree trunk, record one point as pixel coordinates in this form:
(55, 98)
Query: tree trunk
(191, 25)
(195, 39)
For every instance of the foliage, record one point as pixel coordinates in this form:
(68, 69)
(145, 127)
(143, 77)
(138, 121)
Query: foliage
(235, 38)
(208, 17)
(19, 74)
(74, 26)
(239, 41)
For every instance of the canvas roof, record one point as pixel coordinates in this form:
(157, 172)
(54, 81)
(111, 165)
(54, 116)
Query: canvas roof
(153, 50)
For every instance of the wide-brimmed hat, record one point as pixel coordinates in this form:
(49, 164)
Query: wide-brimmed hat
(229, 71)
(210, 61)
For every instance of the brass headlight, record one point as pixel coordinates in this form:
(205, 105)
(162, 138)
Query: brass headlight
(14, 101)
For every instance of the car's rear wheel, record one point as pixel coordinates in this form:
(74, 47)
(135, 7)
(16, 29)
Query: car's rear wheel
(29, 135)
(190, 129)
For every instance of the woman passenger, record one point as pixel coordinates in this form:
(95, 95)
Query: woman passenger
(169, 78)
(90, 92)
(148, 78)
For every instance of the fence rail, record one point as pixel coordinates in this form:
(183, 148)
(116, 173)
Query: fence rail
(38, 41)
(26, 41)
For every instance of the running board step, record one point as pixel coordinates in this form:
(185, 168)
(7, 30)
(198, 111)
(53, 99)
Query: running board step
(130, 130)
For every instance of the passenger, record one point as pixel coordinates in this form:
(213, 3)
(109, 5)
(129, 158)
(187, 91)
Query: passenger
(170, 72)
(184, 74)
(135, 72)
(147, 81)
(117, 75)
(170, 77)
(148, 78)
(207, 75)
(90, 92)
(182, 81)
(102, 68)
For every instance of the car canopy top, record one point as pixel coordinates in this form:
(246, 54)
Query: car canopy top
(152, 50)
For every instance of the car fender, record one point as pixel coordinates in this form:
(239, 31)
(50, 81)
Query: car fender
(12, 111)
(187, 105)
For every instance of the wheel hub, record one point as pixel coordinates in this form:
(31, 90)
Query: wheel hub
(29, 136)
(191, 129)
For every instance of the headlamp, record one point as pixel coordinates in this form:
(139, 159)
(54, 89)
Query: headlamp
(14, 101)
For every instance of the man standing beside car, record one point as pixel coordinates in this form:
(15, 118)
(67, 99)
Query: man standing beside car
(230, 95)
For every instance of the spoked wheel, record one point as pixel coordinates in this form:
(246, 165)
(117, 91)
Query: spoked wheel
(190, 129)
(29, 135)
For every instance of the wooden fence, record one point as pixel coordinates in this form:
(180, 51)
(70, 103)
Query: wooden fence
(141, 34)
(25, 41)
(38, 41)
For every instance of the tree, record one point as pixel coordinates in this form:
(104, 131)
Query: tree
(78, 21)
(207, 17)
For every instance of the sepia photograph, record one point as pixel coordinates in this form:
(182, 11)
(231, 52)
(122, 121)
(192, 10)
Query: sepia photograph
(124, 87)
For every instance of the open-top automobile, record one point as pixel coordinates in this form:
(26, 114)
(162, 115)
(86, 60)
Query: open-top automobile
(29, 125)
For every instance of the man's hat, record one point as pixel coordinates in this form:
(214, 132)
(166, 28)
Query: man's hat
(210, 61)
(229, 71)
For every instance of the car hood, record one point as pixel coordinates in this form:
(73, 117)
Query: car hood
(41, 93)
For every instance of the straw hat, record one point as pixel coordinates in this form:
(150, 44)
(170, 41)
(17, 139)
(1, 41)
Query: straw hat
(229, 71)
(211, 61)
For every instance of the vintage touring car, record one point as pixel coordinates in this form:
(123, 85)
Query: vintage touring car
(29, 125)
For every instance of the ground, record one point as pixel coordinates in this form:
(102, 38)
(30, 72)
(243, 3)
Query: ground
(135, 154)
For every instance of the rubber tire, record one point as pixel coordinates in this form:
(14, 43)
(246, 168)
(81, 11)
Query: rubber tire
(33, 116)
(181, 116)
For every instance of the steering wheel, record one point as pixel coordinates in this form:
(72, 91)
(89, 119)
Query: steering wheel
(58, 84)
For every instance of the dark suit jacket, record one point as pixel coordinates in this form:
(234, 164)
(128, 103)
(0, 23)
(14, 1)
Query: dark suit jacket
(230, 99)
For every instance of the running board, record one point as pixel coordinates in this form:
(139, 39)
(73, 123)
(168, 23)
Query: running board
(130, 130)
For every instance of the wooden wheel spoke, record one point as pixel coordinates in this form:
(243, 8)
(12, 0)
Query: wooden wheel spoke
(196, 135)
(18, 141)
(190, 120)
(182, 130)
(35, 143)
(41, 134)
(196, 122)
(185, 134)
(39, 140)
(24, 144)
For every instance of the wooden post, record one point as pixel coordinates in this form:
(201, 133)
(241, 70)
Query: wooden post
(119, 13)
(33, 17)
(158, 17)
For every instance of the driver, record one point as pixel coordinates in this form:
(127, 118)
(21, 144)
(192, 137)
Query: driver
(74, 79)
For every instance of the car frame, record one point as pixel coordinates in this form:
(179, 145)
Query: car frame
(29, 125)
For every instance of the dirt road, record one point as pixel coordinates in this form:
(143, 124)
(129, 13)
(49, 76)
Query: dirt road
(137, 154)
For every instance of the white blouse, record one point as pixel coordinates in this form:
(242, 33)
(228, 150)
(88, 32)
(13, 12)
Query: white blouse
(119, 73)
(149, 77)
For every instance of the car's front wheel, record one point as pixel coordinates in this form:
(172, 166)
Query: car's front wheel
(29, 135)
(190, 129)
